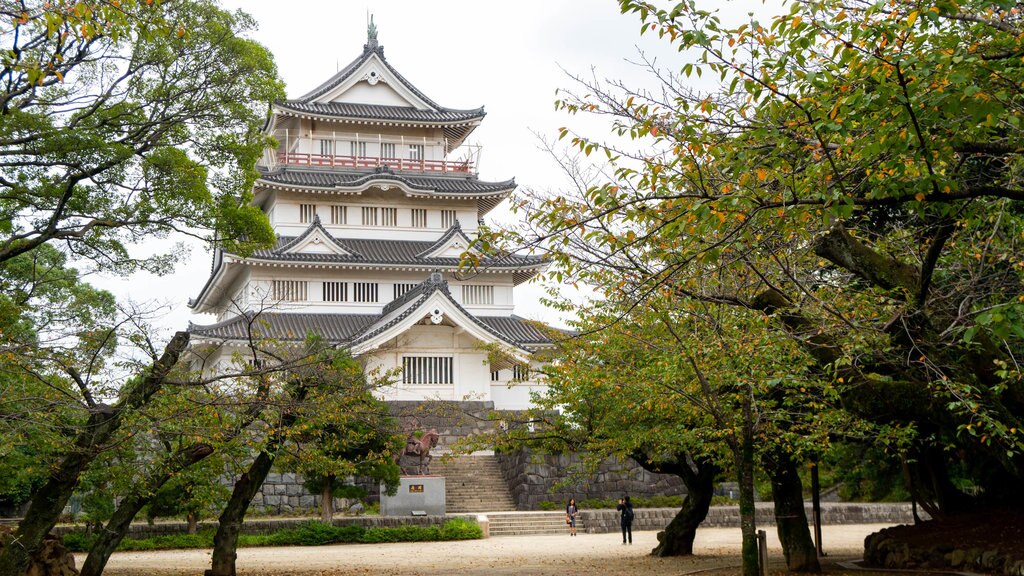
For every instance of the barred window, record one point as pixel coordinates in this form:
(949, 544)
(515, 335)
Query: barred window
(477, 294)
(447, 218)
(370, 217)
(389, 216)
(339, 215)
(335, 291)
(357, 149)
(387, 150)
(419, 218)
(520, 372)
(401, 289)
(416, 152)
(495, 375)
(289, 290)
(364, 292)
(327, 148)
(306, 213)
(427, 370)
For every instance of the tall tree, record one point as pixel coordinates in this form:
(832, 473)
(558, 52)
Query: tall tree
(851, 171)
(119, 121)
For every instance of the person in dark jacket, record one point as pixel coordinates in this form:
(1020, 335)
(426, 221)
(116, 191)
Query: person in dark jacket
(625, 509)
(571, 510)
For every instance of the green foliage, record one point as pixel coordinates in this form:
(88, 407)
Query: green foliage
(308, 534)
(845, 176)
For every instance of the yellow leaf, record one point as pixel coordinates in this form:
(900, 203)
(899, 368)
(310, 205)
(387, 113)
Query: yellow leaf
(796, 21)
(919, 196)
(761, 174)
(912, 18)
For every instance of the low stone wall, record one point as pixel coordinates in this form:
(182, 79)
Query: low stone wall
(531, 479)
(603, 521)
(269, 525)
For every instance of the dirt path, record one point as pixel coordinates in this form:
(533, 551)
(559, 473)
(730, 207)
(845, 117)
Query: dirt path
(542, 555)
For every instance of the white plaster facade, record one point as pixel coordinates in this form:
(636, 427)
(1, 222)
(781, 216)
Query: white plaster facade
(374, 203)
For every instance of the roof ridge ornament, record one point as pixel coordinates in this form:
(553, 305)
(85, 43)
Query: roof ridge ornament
(371, 38)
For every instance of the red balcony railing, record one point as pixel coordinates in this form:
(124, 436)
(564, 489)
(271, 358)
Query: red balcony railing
(305, 159)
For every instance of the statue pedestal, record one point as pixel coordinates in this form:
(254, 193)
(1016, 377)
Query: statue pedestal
(416, 496)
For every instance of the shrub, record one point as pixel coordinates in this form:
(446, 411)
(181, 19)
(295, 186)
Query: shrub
(308, 534)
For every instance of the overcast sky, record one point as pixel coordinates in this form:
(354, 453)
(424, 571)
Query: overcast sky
(506, 56)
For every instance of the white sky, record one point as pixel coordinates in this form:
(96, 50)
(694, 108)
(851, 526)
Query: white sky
(506, 56)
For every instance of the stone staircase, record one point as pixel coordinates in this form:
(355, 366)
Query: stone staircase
(531, 523)
(473, 484)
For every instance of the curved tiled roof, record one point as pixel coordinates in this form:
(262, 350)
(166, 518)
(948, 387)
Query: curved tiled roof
(287, 326)
(352, 329)
(448, 184)
(381, 112)
(378, 251)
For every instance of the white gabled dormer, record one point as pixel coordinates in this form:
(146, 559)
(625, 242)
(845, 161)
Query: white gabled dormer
(315, 240)
(453, 244)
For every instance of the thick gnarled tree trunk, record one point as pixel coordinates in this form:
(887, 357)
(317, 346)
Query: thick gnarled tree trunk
(49, 500)
(790, 515)
(225, 541)
(699, 477)
(111, 535)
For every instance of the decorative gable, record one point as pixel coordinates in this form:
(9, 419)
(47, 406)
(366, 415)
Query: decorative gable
(315, 240)
(372, 81)
(451, 245)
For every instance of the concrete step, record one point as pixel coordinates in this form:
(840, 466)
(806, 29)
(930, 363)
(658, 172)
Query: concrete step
(531, 524)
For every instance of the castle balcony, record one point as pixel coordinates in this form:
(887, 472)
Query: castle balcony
(361, 151)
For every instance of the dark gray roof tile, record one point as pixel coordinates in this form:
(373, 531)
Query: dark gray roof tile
(330, 178)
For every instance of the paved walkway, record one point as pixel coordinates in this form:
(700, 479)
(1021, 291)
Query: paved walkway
(559, 555)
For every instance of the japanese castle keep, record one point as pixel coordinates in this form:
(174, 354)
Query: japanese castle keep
(374, 197)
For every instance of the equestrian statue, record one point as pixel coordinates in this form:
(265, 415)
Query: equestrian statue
(420, 447)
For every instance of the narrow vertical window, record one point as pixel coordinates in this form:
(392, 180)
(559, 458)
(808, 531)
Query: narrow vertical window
(520, 372)
(419, 217)
(357, 149)
(370, 216)
(427, 370)
(477, 294)
(389, 217)
(327, 148)
(335, 292)
(306, 213)
(387, 150)
(339, 215)
(401, 289)
(289, 290)
(416, 152)
(447, 218)
(364, 292)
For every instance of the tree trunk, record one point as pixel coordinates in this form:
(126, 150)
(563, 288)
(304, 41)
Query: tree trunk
(790, 516)
(225, 541)
(744, 457)
(48, 502)
(677, 538)
(327, 500)
(193, 522)
(109, 537)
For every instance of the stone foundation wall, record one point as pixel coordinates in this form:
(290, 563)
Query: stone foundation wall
(452, 420)
(604, 521)
(531, 479)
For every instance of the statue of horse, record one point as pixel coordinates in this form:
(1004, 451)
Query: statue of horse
(421, 447)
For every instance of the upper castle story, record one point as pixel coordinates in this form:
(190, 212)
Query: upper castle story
(373, 157)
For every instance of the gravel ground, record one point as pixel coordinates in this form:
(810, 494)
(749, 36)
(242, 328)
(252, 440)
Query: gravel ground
(559, 555)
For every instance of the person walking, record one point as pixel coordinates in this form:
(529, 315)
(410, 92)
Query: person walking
(571, 510)
(626, 519)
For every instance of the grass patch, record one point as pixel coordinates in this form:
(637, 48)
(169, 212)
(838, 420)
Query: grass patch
(308, 534)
